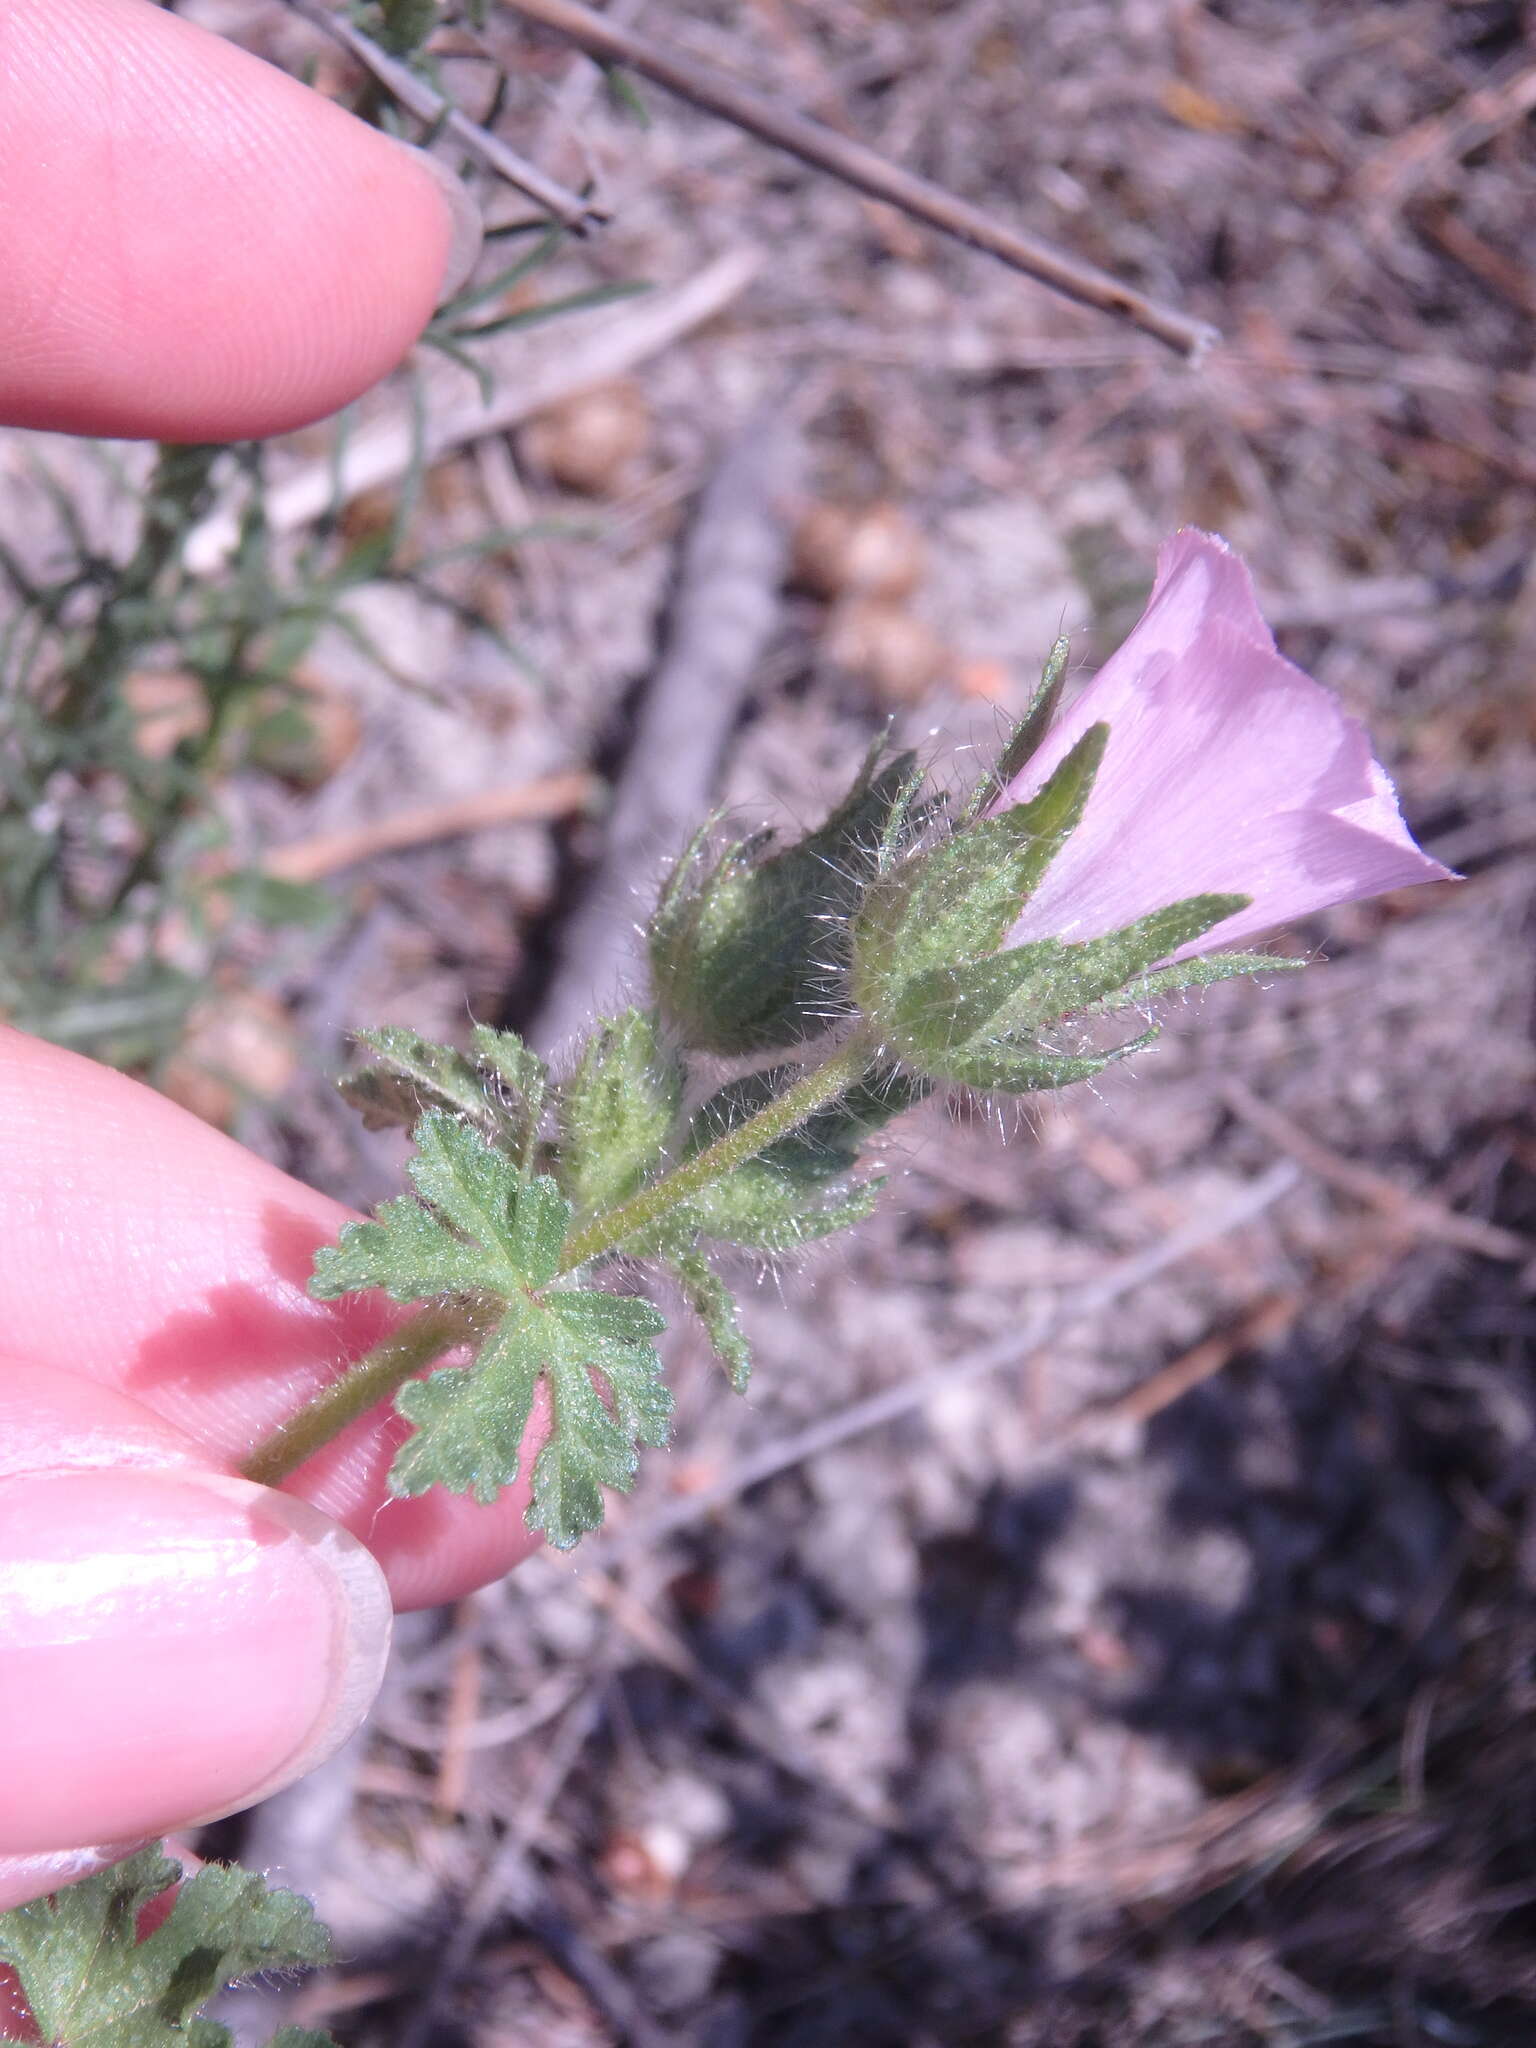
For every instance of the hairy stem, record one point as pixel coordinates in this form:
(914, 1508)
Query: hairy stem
(785, 1113)
(376, 1375)
(381, 1372)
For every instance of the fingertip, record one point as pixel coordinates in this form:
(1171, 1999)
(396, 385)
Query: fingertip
(196, 245)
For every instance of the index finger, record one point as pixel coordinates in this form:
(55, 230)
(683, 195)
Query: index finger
(192, 244)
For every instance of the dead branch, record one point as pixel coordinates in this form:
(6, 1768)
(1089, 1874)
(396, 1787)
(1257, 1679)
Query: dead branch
(528, 372)
(866, 170)
(551, 796)
(721, 614)
(420, 99)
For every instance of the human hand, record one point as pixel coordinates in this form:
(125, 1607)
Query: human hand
(192, 246)
(175, 1642)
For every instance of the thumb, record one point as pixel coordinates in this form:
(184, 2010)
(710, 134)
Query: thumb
(175, 1643)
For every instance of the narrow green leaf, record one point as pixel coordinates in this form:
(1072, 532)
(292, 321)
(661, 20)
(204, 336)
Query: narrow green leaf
(1018, 1068)
(1197, 973)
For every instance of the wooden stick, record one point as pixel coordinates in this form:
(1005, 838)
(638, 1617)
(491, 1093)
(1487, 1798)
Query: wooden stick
(551, 796)
(1415, 1214)
(866, 170)
(429, 105)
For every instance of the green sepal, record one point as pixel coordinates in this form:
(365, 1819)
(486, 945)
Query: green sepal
(615, 1113)
(955, 902)
(714, 1305)
(92, 1983)
(749, 952)
(960, 1010)
(1197, 973)
(1007, 1067)
(1024, 741)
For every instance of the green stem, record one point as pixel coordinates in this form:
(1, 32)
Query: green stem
(813, 1091)
(383, 1370)
(375, 1376)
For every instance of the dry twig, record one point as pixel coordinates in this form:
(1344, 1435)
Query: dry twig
(866, 170)
(528, 371)
(1414, 1214)
(417, 97)
(549, 797)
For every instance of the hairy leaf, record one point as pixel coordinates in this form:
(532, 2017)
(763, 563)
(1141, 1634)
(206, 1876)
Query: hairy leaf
(92, 1983)
(470, 1420)
(615, 1113)
(477, 1227)
(715, 1306)
(499, 1086)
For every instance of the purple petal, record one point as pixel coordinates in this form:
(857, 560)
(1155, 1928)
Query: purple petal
(1227, 768)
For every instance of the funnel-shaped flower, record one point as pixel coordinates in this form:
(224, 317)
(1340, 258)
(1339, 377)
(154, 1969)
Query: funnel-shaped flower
(1226, 769)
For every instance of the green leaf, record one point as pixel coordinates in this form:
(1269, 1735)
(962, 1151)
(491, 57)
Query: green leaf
(477, 1227)
(615, 1113)
(954, 902)
(750, 952)
(471, 1420)
(92, 1983)
(1018, 1068)
(406, 24)
(499, 1086)
(715, 1306)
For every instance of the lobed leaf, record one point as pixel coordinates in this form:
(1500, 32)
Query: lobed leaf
(92, 1983)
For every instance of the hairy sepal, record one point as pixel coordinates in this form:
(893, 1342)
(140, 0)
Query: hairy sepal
(616, 1112)
(749, 951)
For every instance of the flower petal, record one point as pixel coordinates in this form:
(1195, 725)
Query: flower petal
(1227, 768)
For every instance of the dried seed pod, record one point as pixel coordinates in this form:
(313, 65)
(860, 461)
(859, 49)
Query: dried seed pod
(591, 441)
(886, 647)
(858, 550)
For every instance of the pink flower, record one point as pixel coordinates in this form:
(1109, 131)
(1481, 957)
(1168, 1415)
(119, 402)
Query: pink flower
(1227, 769)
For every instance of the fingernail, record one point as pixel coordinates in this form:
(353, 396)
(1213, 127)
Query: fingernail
(177, 1646)
(468, 227)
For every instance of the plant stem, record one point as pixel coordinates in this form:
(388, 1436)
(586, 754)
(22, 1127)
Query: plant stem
(384, 1369)
(813, 1091)
(375, 1376)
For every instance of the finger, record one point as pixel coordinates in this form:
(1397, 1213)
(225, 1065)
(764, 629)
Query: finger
(139, 1597)
(192, 244)
(142, 1249)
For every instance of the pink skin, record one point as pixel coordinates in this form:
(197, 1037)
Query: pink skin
(1227, 769)
(173, 1644)
(192, 246)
